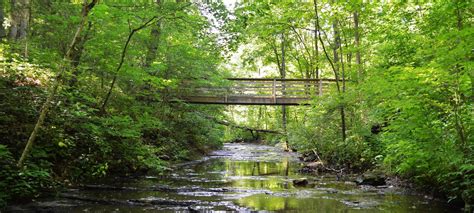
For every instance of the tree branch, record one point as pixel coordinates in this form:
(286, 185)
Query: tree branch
(122, 59)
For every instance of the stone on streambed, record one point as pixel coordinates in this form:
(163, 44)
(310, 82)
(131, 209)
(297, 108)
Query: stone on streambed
(307, 157)
(165, 157)
(315, 165)
(312, 167)
(300, 182)
(281, 145)
(349, 183)
(372, 178)
(327, 190)
(161, 202)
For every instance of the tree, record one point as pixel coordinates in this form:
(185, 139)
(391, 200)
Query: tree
(357, 44)
(132, 32)
(20, 16)
(154, 39)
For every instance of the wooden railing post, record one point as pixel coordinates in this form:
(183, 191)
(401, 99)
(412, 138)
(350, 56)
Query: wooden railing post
(226, 95)
(274, 91)
(320, 87)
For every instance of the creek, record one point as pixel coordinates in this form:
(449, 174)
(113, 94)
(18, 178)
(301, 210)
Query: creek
(239, 177)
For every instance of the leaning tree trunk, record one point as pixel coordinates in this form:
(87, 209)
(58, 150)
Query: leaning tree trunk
(76, 55)
(47, 104)
(20, 17)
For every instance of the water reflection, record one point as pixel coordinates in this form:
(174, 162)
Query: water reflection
(246, 168)
(272, 203)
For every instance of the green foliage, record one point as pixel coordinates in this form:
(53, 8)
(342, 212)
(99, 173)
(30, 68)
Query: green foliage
(407, 105)
(424, 94)
(321, 133)
(408, 110)
(141, 130)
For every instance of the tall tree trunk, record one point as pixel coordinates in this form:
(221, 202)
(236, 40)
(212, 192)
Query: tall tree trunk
(459, 25)
(20, 17)
(154, 41)
(283, 76)
(357, 45)
(316, 49)
(457, 100)
(359, 67)
(47, 104)
(343, 79)
(3, 32)
(336, 46)
(277, 55)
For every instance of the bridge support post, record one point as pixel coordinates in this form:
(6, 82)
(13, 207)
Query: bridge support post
(274, 91)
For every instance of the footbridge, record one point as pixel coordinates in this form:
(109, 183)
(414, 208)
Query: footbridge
(258, 91)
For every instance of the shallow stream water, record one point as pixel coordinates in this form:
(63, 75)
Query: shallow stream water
(240, 177)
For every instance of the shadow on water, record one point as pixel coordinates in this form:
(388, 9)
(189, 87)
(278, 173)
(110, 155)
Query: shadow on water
(240, 177)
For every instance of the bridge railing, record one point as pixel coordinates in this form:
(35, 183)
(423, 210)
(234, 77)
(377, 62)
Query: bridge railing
(264, 87)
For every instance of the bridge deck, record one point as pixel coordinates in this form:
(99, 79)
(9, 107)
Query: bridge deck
(258, 91)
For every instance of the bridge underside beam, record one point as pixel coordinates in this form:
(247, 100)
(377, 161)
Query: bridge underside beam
(244, 100)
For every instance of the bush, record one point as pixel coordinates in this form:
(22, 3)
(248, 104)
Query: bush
(21, 184)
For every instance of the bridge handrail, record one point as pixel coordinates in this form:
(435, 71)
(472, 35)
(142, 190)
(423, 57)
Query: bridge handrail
(283, 79)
